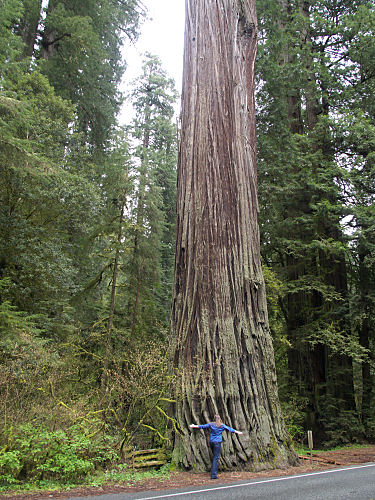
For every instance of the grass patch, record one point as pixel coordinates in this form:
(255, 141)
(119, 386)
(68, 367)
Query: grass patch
(118, 475)
(303, 450)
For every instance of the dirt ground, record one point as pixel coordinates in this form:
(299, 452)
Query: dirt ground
(322, 460)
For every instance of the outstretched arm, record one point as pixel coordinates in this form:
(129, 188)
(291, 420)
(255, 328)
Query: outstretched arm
(232, 430)
(203, 426)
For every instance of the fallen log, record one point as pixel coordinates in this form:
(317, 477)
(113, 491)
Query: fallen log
(317, 458)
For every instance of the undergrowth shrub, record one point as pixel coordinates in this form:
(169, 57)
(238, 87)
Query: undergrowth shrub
(10, 467)
(294, 413)
(57, 425)
(342, 427)
(140, 394)
(34, 453)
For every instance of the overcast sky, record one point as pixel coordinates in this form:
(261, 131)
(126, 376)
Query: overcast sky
(162, 34)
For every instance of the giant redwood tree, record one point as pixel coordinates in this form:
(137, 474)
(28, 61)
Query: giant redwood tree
(222, 345)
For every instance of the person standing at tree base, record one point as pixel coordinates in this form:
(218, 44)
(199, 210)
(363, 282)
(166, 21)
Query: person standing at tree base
(216, 437)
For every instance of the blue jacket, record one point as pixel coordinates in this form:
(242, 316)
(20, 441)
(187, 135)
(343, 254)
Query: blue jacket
(216, 435)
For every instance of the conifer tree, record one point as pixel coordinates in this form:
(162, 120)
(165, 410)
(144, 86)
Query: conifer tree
(305, 64)
(155, 151)
(47, 146)
(79, 48)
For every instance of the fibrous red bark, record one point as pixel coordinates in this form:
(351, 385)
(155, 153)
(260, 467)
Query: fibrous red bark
(222, 346)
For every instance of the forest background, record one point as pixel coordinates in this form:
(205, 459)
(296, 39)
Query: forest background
(87, 232)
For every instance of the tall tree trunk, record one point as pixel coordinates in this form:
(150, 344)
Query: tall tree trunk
(287, 57)
(222, 343)
(135, 308)
(364, 338)
(29, 25)
(49, 35)
(313, 108)
(108, 348)
(139, 229)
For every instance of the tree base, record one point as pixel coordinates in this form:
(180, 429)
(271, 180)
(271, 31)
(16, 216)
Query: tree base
(249, 459)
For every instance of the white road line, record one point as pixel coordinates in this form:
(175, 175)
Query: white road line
(255, 482)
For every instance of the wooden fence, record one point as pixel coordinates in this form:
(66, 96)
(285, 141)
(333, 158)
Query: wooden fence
(138, 459)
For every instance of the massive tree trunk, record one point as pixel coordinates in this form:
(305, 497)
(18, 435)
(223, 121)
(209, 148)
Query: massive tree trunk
(222, 345)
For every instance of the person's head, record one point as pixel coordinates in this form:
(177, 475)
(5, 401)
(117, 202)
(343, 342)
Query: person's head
(218, 421)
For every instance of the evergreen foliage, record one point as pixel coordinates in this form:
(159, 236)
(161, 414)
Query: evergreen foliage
(87, 228)
(153, 212)
(313, 79)
(71, 234)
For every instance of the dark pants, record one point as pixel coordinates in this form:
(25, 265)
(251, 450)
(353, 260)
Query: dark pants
(216, 449)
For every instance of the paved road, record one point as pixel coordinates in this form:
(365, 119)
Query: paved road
(349, 483)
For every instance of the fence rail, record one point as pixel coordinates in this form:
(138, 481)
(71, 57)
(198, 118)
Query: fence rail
(155, 457)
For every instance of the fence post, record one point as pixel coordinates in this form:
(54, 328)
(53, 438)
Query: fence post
(311, 445)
